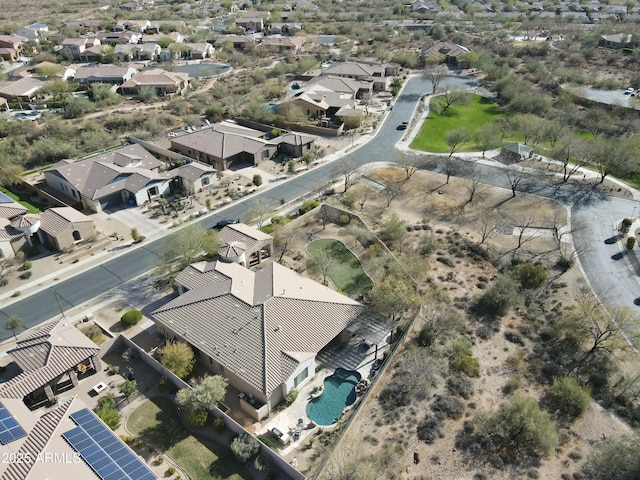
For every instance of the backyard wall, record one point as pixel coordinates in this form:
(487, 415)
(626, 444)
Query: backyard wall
(230, 423)
(163, 153)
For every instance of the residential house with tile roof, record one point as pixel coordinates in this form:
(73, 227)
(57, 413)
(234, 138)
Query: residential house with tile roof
(225, 144)
(199, 51)
(128, 174)
(262, 330)
(140, 51)
(112, 38)
(43, 451)
(74, 47)
(11, 239)
(285, 28)
(51, 360)
(252, 21)
(381, 74)
(24, 88)
(62, 227)
(195, 176)
(112, 74)
(282, 44)
(11, 47)
(294, 144)
(444, 52)
(162, 81)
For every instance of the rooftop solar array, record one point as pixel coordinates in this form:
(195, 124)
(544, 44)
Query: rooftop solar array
(105, 453)
(4, 198)
(10, 429)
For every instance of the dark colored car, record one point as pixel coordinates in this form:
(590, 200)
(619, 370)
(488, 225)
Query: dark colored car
(223, 223)
(402, 126)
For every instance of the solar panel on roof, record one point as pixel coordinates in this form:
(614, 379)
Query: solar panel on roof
(4, 198)
(10, 429)
(105, 454)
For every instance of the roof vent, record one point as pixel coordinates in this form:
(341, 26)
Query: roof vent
(278, 328)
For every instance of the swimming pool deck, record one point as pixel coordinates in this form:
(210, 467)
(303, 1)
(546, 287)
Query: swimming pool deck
(353, 355)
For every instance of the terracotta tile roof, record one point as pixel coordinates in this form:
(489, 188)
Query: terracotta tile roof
(258, 325)
(192, 171)
(45, 355)
(103, 174)
(56, 219)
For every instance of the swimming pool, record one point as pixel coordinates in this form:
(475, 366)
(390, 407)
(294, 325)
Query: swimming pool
(338, 393)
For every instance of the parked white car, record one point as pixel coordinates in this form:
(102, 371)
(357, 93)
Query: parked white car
(629, 91)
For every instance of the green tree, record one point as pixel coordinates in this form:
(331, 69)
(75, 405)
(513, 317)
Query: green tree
(631, 242)
(488, 136)
(111, 417)
(393, 229)
(257, 180)
(245, 447)
(394, 296)
(189, 245)
(456, 138)
(178, 357)
(517, 430)
(320, 262)
(567, 397)
(616, 460)
(14, 324)
(128, 388)
(204, 395)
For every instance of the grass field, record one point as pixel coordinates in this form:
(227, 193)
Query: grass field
(478, 112)
(24, 199)
(348, 274)
(157, 422)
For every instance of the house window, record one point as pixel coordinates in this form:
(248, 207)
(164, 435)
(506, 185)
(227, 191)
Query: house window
(221, 369)
(205, 181)
(76, 235)
(153, 191)
(300, 377)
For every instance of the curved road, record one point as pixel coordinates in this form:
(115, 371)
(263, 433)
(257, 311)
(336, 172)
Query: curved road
(598, 213)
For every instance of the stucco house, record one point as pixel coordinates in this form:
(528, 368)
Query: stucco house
(74, 47)
(24, 88)
(282, 44)
(195, 176)
(444, 52)
(294, 144)
(112, 38)
(111, 74)
(381, 74)
(252, 21)
(129, 174)
(11, 239)
(262, 330)
(224, 145)
(62, 227)
(162, 81)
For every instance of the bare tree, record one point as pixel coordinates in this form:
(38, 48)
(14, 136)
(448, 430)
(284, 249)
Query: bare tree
(282, 240)
(533, 127)
(489, 136)
(524, 223)
(567, 149)
(435, 73)
(609, 155)
(259, 211)
(320, 263)
(456, 138)
(392, 189)
(362, 196)
(488, 225)
(515, 176)
(409, 163)
(474, 185)
(346, 168)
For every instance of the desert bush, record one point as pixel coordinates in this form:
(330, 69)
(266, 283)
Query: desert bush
(567, 397)
(616, 460)
(307, 206)
(460, 385)
(500, 297)
(111, 417)
(291, 396)
(531, 275)
(26, 275)
(197, 418)
(170, 471)
(131, 318)
(447, 406)
(461, 360)
(268, 441)
(429, 429)
(262, 463)
(245, 447)
(26, 265)
(218, 425)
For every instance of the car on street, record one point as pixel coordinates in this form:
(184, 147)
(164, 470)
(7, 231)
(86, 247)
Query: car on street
(402, 126)
(223, 223)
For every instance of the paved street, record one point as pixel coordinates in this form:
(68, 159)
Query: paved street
(596, 212)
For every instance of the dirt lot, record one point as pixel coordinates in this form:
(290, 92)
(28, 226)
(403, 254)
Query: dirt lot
(429, 201)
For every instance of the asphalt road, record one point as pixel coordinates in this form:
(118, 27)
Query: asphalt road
(597, 213)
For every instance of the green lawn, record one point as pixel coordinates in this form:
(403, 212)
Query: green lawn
(24, 199)
(157, 422)
(478, 112)
(348, 274)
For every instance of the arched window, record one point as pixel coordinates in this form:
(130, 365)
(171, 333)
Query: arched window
(76, 235)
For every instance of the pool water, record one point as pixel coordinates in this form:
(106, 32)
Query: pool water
(339, 392)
